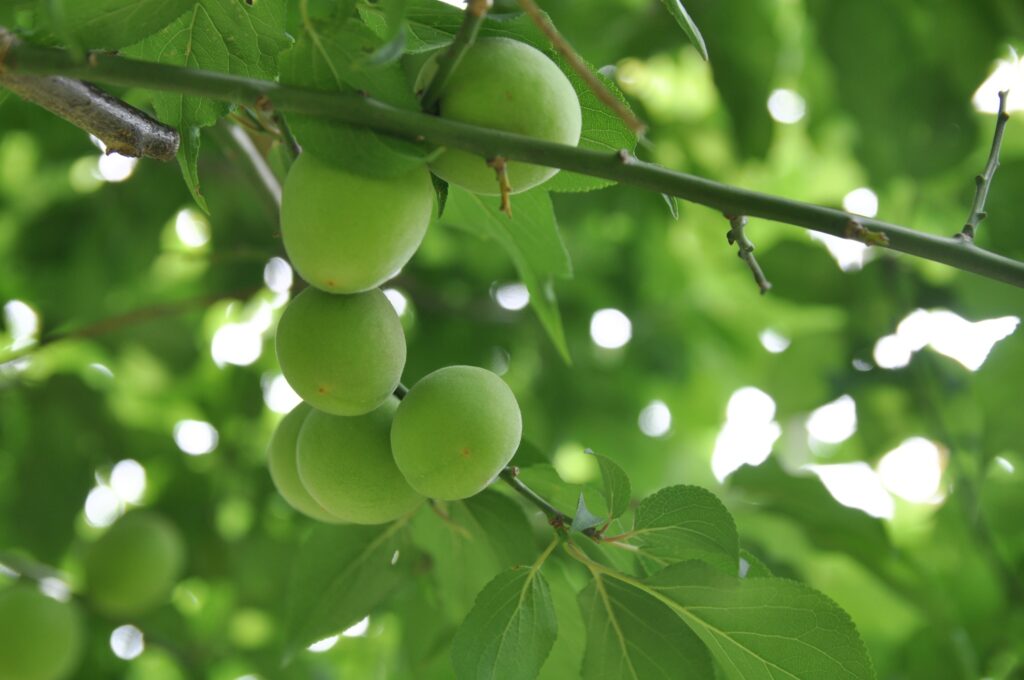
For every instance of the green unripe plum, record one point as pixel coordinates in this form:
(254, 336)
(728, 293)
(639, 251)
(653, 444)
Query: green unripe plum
(132, 568)
(455, 431)
(282, 455)
(342, 354)
(506, 85)
(40, 638)
(346, 464)
(346, 233)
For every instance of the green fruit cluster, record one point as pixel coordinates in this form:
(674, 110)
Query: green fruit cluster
(352, 452)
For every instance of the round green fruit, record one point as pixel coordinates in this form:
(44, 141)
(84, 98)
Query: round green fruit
(132, 568)
(345, 462)
(40, 638)
(343, 354)
(455, 431)
(506, 85)
(282, 455)
(346, 233)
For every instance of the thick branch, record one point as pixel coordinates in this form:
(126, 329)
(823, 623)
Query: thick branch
(622, 167)
(984, 180)
(449, 60)
(122, 128)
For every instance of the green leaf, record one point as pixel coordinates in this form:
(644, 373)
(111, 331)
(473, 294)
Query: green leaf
(567, 652)
(682, 17)
(764, 628)
(532, 240)
(501, 519)
(112, 24)
(510, 630)
(682, 523)
(341, 573)
(751, 566)
(615, 485)
(188, 159)
(583, 519)
(333, 57)
(633, 636)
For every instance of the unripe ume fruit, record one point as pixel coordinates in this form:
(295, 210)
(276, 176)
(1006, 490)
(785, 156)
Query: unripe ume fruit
(345, 232)
(345, 463)
(506, 85)
(455, 431)
(40, 638)
(343, 354)
(132, 568)
(282, 456)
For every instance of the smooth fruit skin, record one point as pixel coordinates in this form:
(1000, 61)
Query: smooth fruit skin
(343, 354)
(282, 457)
(455, 431)
(132, 568)
(346, 233)
(40, 638)
(346, 464)
(507, 85)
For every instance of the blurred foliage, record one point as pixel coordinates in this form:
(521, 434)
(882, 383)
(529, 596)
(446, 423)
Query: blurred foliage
(936, 590)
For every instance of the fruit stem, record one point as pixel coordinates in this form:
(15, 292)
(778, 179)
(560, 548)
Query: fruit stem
(449, 60)
(557, 519)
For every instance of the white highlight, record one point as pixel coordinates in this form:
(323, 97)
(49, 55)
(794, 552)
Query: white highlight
(913, 470)
(279, 396)
(945, 332)
(192, 228)
(236, 343)
(748, 434)
(786, 106)
(278, 275)
(324, 645)
(655, 419)
(127, 642)
(55, 588)
(397, 300)
(357, 629)
(128, 480)
(102, 506)
(773, 341)
(849, 255)
(834, 422)
(195, 437)
(1005, 464)
(862, 201)
(22, 323)
(892, 351)
(512, 296)
(856, 485)
(1008, 75)
(610, 328)
(114, 167)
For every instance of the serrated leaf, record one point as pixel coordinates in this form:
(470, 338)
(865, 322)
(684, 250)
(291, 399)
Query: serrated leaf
(188, 159)
(615, 485)
(332, 57)
(510, 630)
(751, 566)
(112, 24)
(532, 240)
(764, 628)
(633, 636)
(583, 519)
(682, 17)
(567, 652)
(502, 521)
(341, 573)
(682, 523)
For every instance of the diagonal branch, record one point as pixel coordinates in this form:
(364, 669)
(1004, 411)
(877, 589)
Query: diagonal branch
(448, 61)
(984, 180)
(359, 110)
(739, 238)
(122, 128)
(596, 86)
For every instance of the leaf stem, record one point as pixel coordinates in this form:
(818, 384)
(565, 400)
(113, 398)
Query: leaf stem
(739, 238)
(449, 60)
(557, 519)
(984, 180)
(621, 167)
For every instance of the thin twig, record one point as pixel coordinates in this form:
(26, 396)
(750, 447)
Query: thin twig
(983, 181)
(449, 60)
(360, 110)
(738, 237)
(576, 62)
(122, 128)
(134, 317)
(287, 137)
(501, 170)
(258, 162)
(557, 519)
